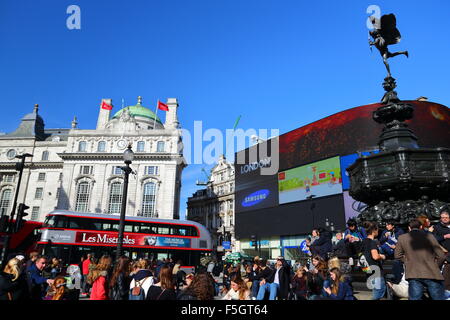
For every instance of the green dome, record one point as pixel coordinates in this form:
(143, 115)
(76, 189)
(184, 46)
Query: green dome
(138, 111)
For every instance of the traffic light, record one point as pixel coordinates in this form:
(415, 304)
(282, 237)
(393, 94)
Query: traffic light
(4, 223)
(20, 214)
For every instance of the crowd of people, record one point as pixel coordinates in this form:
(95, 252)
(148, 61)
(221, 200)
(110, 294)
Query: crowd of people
(419, 260)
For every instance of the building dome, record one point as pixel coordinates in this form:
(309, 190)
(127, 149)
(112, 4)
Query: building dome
(138, 111)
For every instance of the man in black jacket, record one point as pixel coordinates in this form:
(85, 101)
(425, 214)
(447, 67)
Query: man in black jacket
(442, 234)
(339, 246)
(276, 282)
(323, 245)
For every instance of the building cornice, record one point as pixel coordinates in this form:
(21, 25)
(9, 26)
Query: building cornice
(31, 165)
(119, 156)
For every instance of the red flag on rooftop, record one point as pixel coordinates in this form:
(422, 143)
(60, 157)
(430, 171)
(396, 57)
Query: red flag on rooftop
(106, 106)
(162, 106)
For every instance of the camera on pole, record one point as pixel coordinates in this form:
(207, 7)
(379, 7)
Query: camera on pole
(20, 214)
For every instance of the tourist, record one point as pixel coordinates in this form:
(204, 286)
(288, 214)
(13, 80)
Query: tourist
(58, 290)
(373, 257)
(300, 283)
(201, 288)
(238, 289)
(323, 245)
(85, 286)
(442, 234)
(423, 258)
(353, 238)
(164, 289)
(339, 288)
(36, 281)
(143, 278)
(338, 248)
(389, 238)
(98, 278)
(317, 275)
(119, 285)
(13, 284)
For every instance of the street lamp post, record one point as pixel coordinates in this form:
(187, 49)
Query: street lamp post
(128, 156)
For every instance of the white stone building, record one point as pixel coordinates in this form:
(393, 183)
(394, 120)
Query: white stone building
(79, 170)
(214, 206)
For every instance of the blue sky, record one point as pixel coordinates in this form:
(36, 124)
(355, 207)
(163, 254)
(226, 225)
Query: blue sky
(280, 64)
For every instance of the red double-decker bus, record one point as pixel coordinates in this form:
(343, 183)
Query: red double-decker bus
(69, 235)
(25, 240)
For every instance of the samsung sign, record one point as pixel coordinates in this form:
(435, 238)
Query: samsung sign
(255, 198)
(263, 163)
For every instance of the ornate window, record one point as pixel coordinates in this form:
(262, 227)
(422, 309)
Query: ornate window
(5, 201)
(115, 198)
(82, 146)
(41, 176)
(160, 146)
(149, 200)
(140, 146)
(101, 146)
(83, 194)
(45, 156)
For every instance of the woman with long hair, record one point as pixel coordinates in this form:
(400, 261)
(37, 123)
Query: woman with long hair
(339, 288)
(98, 277)
(120, 281)
(165, 288)
(58, 289)
(13, 285)
(317, 276)
(201, 288)
(238, 289)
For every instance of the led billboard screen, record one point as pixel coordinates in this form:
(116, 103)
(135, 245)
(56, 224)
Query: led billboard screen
(354, 130)
(319, 179)
(255, 189)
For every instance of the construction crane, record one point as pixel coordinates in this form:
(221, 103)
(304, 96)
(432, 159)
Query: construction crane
(208, 177)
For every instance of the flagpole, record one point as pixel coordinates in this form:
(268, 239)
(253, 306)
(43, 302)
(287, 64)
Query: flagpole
(156, 113)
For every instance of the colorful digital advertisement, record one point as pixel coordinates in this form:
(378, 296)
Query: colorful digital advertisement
(317, 179)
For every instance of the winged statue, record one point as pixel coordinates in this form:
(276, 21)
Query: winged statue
(384, 34)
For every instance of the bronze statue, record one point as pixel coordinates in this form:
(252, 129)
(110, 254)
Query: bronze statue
(384, 34)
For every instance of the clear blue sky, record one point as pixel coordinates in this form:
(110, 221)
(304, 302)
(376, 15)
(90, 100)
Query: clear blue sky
(281, 64)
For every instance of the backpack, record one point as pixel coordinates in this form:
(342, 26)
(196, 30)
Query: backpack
(137, 292)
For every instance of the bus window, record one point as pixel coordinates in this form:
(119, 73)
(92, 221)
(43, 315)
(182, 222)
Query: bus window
(61, 222)
(144, 228)
(128, 228)
(163, 230)
(182, 231)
